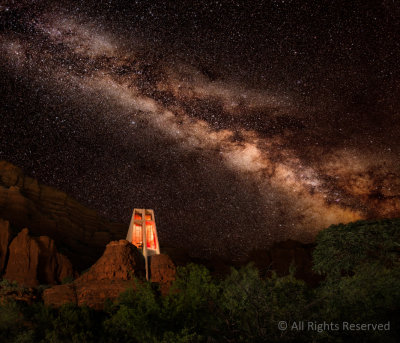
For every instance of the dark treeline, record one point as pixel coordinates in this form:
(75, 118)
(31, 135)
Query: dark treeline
(360, 262)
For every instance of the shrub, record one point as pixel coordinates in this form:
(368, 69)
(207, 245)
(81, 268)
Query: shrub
(12, 325)
(341, 248)
(362, 266)
(136, 316)
(252, 307)
(67, 279)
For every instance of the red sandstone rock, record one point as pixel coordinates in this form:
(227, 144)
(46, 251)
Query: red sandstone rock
(35, 260)
(64, 268)
(5, 237)
(91, 293)
(121, 261)
(46, 211)
(47, 260)
(95, 293)
(10, 174)
(23, 261)
(107, 278)
(60, 295)
(53, 266)
(162, 271)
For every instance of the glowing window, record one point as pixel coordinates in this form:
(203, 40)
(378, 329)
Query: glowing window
(137, 238)
(150, 236)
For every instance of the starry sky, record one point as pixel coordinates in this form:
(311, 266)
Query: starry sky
(240, 123)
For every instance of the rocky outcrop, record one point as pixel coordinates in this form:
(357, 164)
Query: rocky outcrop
(162, 271)
(59, 295)
(121, 261)
(81, 232)
(95, 293)
(282, 255)
(65, 269)
(53, 266)
(35, 260)
(107, 278)
(5, 238)
(90, 293)
(23, 261)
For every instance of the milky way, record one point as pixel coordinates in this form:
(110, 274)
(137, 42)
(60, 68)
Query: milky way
(120, 119)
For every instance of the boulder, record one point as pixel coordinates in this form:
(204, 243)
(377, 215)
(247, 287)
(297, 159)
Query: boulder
(90, 293)
(60, 295)
(162, 271)
(95, 293)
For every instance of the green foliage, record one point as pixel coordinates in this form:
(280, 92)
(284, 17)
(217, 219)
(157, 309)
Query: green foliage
(142, 315)
(362, 268)
(72, 324)
(361, 262)
(136, 316)
(12, 326)
(341, 248)
(69, 323)
(84, 271)
(67, 279)
(191, 299)
(180, 337)
(42, 288)
(371, 293)
(8, 286)
(42, 318)
(252, 307)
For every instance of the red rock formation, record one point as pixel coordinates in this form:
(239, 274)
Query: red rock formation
(35, 260)
(5, 238)
(95, 293)
(64, 268)
(53, 266)
(23, 261)
(59, 295)
(46, 211)
(107, 278)
(162, 271)
(121, 261)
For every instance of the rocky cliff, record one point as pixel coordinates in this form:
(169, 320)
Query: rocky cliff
(5, 238)
(112, 274)
(31, 261)
(30, 257)
(79, 232)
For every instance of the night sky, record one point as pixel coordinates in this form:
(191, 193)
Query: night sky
(239, 122)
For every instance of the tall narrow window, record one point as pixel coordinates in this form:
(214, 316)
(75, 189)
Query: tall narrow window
(150, 236)
(137, 238)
